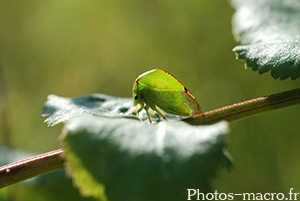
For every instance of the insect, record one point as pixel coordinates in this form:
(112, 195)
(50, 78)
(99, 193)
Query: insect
(157, 89)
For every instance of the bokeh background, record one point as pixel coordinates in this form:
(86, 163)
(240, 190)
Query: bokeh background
(75, 48)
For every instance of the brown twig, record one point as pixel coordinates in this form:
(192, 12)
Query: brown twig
(248, 108)
(52, 161)
(31, 167)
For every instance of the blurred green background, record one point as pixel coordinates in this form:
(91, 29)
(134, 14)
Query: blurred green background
(74, 48)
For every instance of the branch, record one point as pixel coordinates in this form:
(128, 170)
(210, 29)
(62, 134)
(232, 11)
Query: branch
(31, 167)
(52, 161)
(248, 108)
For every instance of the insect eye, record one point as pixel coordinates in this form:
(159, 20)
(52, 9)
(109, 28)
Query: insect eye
(136, 97)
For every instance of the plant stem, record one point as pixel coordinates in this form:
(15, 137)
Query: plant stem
(31, 167)
(248, 108)
(52, 161)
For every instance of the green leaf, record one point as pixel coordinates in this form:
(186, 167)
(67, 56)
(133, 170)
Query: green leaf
(59, 109)
(282, 58)
(113, 157)
(272, 28)
(125, 159)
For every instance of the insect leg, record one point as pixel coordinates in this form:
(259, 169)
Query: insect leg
(159, 112)
(147, 108)
(136, 110)
(153, 112)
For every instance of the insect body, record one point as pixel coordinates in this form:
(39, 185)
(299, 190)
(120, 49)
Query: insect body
(157, 88)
